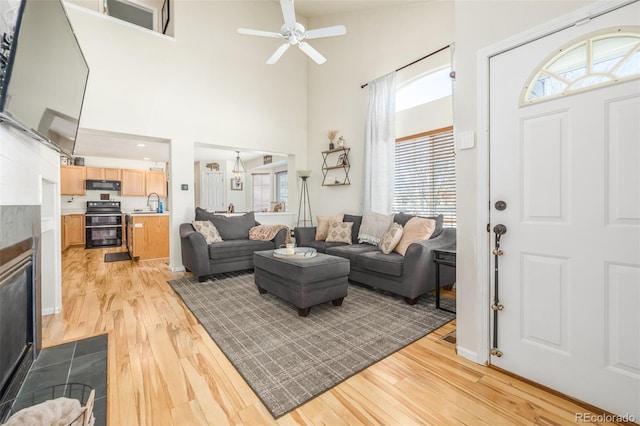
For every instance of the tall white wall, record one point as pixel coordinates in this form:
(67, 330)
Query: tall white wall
(478, 25)
(377, 42)
(30, 176)
(208, 85)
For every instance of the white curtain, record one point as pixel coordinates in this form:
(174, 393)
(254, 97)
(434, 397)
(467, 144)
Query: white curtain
(379, 157)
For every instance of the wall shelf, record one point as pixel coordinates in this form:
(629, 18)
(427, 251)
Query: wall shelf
(342, 165)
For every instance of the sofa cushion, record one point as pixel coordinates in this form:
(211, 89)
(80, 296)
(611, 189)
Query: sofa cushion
(322, 229)
(373, 227)
(207, 229)
(403, 218)
(376, 261)
(229, 227)
(339, 232)
(321, 246)
(391, 238)
(352, 251)
(355, 230)
(416, 229)
(237, 248)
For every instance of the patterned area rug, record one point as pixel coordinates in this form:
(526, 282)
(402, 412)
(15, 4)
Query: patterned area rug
(287, 359)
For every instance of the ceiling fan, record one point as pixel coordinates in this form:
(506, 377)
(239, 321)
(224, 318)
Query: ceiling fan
(294, 33)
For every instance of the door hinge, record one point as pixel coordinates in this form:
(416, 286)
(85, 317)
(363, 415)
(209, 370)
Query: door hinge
(488, 227)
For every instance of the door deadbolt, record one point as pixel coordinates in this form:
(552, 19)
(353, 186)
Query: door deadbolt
(500, 205)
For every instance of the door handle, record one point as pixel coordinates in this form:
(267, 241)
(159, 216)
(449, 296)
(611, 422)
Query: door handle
(499, 230)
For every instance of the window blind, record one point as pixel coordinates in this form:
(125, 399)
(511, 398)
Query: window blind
(425, 176)
(261, 188)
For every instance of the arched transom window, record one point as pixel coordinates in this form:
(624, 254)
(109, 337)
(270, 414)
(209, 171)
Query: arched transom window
(600, 59)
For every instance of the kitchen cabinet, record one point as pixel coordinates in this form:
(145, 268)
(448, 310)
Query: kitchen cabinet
(148, 236)
(133, 183)
(72, 180)
(73, 230)
(156, 181)
(103, 173)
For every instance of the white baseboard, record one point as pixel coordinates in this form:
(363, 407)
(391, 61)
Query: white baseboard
(50, 311)
(177, 268)
(470, 355)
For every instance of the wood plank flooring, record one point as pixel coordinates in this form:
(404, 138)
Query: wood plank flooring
(164, 369)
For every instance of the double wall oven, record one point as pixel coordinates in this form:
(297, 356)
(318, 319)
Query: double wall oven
(103, 224)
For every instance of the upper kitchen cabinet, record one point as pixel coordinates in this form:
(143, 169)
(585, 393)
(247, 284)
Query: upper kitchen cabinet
(72, 180)
(156, 182)
(102, 173)
(133, 182)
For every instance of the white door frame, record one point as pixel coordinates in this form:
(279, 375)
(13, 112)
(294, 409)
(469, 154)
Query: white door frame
(483, 277)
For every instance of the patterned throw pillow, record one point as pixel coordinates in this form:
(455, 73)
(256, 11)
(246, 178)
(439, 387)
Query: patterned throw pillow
(339, 232)
(416, 229)
(373, 227)
(208, 230)
(323, 225)
(391, 238)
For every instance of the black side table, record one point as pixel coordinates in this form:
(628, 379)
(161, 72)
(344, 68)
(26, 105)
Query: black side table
(444, 256)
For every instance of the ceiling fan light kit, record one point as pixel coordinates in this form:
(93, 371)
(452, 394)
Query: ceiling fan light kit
(294, 33)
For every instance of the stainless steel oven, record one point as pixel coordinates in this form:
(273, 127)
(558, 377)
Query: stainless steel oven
(103, 224)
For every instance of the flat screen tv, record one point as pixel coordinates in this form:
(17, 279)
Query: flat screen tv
(43, 73)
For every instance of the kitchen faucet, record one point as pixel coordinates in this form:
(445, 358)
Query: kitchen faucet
(149, 200)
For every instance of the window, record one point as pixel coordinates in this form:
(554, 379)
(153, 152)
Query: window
(423, 89)
(261, 189)
(425, 176)
(281, 187)
(597, 61)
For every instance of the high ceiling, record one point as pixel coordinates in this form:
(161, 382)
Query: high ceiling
(105, 144)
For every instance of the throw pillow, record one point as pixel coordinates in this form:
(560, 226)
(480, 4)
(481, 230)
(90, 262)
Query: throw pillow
(339, 232)
(373, 227)
(323, 225)
(403, 218)
(391, 238)
(357, 221)
(207, 229)
(416, 229)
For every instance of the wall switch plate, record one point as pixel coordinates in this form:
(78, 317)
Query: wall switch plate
(184, 187)
(465, 140)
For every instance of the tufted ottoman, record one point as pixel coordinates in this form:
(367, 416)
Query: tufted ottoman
(302, 282)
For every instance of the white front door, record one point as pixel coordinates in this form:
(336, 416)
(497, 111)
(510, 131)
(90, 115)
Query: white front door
(568, 170)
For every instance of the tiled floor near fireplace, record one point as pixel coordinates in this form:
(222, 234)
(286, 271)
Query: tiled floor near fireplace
(83, 361)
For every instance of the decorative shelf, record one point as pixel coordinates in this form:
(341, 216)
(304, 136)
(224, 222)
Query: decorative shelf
(343, 166)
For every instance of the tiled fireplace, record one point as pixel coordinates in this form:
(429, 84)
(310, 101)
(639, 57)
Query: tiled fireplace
(20, 306)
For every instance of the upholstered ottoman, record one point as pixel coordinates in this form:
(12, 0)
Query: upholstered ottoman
(302, 282)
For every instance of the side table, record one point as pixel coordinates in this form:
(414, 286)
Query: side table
(444, 256)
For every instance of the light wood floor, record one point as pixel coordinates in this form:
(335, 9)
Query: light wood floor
(164, 368)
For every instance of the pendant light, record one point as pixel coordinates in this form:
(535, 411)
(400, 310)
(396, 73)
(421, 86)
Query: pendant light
(238, 168)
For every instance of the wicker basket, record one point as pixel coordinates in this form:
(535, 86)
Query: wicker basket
(84, 393)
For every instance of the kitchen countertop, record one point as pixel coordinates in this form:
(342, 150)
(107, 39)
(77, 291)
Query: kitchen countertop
(146, 213)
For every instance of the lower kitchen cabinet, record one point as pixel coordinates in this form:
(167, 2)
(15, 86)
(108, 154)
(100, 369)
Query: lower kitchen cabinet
(148, 236)
(73, 230)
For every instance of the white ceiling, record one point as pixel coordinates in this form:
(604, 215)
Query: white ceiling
(93, 143)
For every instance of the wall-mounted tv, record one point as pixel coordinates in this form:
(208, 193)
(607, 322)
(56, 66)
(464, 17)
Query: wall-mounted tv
(43, 73)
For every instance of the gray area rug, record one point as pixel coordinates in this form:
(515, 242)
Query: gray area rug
(287, 359)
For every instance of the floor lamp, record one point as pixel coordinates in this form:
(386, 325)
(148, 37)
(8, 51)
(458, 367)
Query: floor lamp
(304, 204)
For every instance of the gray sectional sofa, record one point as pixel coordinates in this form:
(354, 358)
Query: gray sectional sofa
(410, 276)
(234, 253)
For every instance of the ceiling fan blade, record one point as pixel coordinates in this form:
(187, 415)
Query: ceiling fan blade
(260, 33)
(278, 53)
(289, 13)
(312, 53)
(337, 30)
